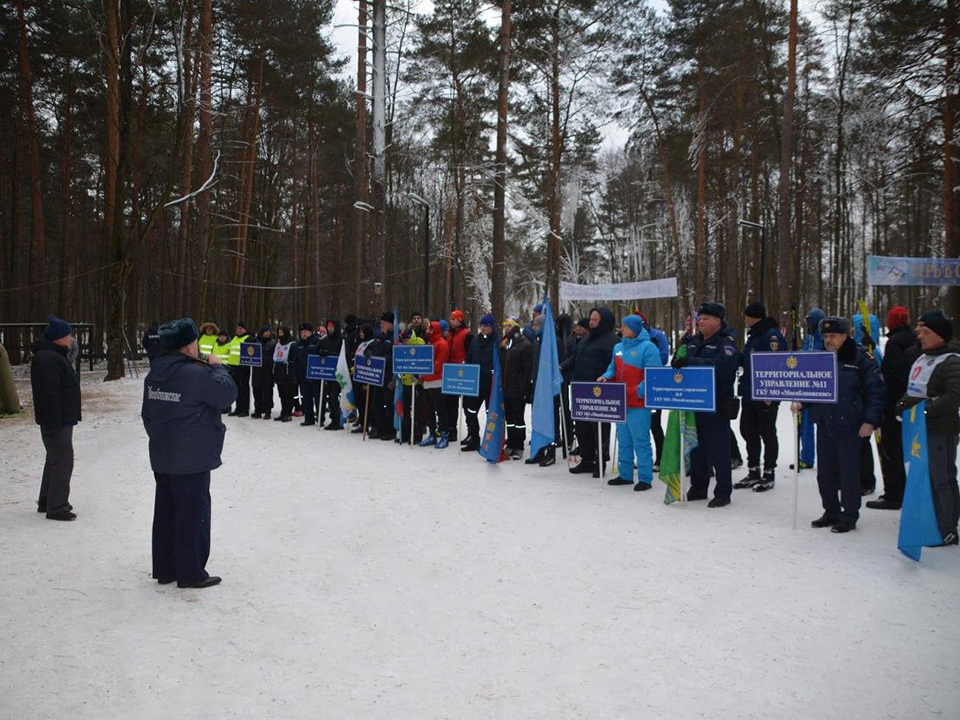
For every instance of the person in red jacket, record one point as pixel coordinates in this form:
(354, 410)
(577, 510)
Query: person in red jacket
(458, 338)
(435, 407)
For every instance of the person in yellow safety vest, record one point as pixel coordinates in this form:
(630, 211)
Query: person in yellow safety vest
(208, 338)
(221, 349)
(240, 373)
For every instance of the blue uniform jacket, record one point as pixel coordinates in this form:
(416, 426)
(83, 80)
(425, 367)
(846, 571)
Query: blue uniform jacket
(764, 336)
(660, 340)
(720, 352)
(860, 392)
(182, 400)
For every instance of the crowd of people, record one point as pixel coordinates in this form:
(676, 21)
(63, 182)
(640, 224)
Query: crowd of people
(196, 376)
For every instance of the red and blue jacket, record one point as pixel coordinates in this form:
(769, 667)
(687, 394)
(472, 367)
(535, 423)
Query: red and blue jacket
(631, 357)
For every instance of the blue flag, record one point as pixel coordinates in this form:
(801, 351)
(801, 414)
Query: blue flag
(494, 433)
(549, 381)
(398, 388)
(918, 519)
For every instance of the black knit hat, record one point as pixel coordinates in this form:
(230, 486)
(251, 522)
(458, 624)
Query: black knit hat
(387, 317)
(178, 333)
(714, 309)
(755, 310)
(305, 326)
(241, 323)
(56, 328)
(938, 324)
(931, 314)
(835, 324)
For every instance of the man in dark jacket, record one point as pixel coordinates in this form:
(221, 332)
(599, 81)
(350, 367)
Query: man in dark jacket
(935, 377)
(381, 398)
(712, 347)
(591, 360)
(261, 378)
(895, 370)
(182, 397)
(548, 454)
(330, 347)
(758, 419)
(301, 350)
(516, 363)
(479, 353)
(151, 341)
(56, 407)
(842, 425)
(284, 373)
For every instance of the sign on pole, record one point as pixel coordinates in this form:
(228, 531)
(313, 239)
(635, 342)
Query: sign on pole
(461, 379)
(912, 271)
(413, 359)
(251, 354)
(370, 370)
(805, 377)
(689, 388)
(598, 401)
(323, 368)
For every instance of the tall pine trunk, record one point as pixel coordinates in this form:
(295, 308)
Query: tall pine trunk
(500, 171)
(785, 249)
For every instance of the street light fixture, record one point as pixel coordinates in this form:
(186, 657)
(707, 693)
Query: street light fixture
(763, 249)
(426, 249)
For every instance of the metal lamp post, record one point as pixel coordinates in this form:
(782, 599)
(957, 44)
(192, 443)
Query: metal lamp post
(426, 250)
(763, 249)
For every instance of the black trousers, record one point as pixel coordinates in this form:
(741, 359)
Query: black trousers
(360, 397)
(381, 409)
(57, 468)
(471, 409)
(408, 416)
(514, 411)
(287, 388)
(452, 403)
(713, 450)
(891, 459)
(656, 429)
(758, 423)
(868, 481)
(587, 441)
(436, 407)
(838, 471)
(181, 527)
(331, 401)
(263, 397)
(241, 376)
(942, 452)
(309, 389)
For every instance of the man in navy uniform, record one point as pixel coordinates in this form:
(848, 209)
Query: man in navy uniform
(712, 347)
(759, 419)
(842, 425)
(182, 398)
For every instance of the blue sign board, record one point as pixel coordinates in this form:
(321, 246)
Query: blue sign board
(413, 359)
(370, 370)
(322, 367)
(598, 401)
(689, 388)
(912, 271)
(807, 377)
(251, 354)
(461, 379)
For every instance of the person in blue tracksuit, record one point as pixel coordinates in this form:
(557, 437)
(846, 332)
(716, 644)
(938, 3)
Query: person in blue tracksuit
(658, 338)
(841, 426)
(812, 342)
(710, 346)
(182, 399)
(758, 418)
(631, 357)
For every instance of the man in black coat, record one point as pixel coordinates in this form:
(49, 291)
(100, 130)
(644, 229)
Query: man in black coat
(895, 370)
(330, 346)
(182, 397)
(151, 341)
(381, 398)
(56, 406)
(261, 378)
(480, 352)
(591, 360)
(516, 362)
(300, 352)
(285, 373)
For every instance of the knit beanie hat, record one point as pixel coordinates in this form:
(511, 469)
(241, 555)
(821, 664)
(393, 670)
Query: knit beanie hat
(178, 333)
(940, 325)
(387, 317)
(897, 316)
(634, 323)
(457, 315)
(755, 310)
(488, 320)
(56, 328)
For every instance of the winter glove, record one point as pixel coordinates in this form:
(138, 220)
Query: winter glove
(679, 362)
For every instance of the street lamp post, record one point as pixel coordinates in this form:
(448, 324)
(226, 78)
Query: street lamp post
(426, 250)
(763, 250)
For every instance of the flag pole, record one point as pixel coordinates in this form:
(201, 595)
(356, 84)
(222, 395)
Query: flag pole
(683, 463)
(320, 409)
(366, 411)
(598, 472)
(413, 410)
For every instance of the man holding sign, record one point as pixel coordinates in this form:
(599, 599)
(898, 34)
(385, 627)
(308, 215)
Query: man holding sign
(714, 348)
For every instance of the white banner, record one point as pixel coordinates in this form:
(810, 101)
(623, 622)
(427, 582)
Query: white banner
(665, 287)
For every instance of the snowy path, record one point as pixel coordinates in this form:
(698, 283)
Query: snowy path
(367, 580)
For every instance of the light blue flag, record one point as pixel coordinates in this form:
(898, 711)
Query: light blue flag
(495, 431)
(398, 388)
(549, 382)
(918, 519)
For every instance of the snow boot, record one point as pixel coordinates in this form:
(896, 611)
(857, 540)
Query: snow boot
(844, 526)
(266, 415)
(256, 416)
(951, 538)
(472, 444)
(583, 468)
(549, 457)
(62, 515)
(427, 441)
(534, 459)
(766, 483)
(718, 502)
(516, 454)
(443, 442)
(824, 521)
(752, 478)
(641, 486)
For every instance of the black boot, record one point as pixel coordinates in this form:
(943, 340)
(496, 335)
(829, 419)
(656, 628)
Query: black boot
(883, 504)
(266, 415)
(641, 486)
(619, 481)
(752, 478)
(472, 444)
(534, 459)
(583, 468)
(209, 582)
(256, 416)
(549, 457)
(844, 526)
(824, 521)
(766, 483)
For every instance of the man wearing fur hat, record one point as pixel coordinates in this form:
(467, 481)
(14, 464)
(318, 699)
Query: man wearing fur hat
(182, 398)
(935, 377)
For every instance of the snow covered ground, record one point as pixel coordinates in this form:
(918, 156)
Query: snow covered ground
(368, 580)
